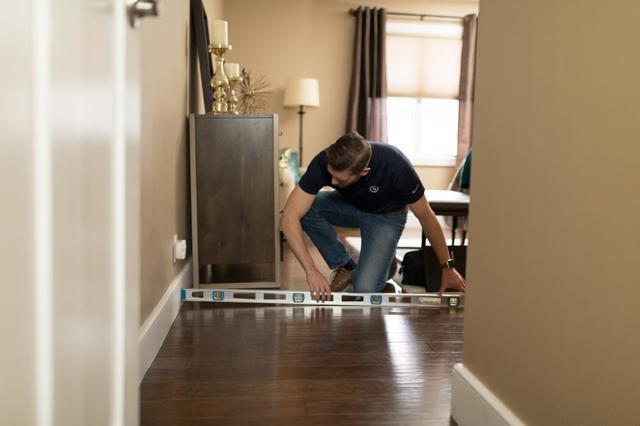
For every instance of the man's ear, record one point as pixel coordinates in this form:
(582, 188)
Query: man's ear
(365, 171)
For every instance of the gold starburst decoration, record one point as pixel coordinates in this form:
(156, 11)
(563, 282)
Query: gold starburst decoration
(253, 93)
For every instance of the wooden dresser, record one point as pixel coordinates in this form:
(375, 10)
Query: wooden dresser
(234, 201)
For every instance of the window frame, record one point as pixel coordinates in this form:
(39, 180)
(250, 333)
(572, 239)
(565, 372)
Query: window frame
(445, 154)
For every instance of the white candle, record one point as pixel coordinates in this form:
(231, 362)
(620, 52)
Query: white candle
(219, 33)
(232, 69)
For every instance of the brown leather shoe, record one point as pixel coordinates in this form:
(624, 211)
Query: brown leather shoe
(391, 288)
(341, 279)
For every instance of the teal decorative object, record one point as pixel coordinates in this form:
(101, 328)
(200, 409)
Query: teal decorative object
(289, 158)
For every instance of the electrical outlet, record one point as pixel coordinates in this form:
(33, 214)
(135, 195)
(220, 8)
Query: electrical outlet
(179, 249)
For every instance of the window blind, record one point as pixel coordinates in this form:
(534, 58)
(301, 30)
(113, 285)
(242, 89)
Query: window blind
(423, 59)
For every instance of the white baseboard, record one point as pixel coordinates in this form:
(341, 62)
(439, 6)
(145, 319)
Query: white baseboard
(157, 325)
(473, 404)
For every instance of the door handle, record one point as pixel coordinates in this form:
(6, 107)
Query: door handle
(138, 9)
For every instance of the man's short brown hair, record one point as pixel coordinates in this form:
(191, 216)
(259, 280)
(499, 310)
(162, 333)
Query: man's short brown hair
(350, 152)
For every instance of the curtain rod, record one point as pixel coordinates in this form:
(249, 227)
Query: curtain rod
(418, 15)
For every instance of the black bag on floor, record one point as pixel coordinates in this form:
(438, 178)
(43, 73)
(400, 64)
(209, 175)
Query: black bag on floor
(413, 267)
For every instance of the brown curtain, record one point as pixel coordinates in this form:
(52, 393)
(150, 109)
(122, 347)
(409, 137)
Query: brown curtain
(467, 78)
(367, 112)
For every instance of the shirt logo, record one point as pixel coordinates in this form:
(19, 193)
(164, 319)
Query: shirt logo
(374, 189)
(414, 191)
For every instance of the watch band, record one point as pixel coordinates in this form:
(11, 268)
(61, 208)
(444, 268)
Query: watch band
(449, 264)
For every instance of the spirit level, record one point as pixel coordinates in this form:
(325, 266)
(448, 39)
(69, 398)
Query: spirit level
(282, 297)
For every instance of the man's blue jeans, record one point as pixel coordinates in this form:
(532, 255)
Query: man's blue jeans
(380, 233)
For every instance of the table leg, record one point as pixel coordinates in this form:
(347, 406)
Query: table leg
(281, 246)
(454, 225)
(424, 258)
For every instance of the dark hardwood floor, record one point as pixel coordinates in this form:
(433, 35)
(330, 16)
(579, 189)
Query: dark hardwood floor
(237, 364)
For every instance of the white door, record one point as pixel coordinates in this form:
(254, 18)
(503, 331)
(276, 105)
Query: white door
(69, 190)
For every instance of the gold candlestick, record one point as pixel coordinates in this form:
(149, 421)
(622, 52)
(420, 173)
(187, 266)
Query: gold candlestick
(232, 99)
(219, 81)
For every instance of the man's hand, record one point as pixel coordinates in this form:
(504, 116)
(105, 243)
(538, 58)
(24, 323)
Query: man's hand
(451, 279)
(318, 285)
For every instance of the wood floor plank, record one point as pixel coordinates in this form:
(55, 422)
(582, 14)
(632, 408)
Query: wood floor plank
(264, 365)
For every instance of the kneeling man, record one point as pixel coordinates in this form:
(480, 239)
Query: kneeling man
(374, 184)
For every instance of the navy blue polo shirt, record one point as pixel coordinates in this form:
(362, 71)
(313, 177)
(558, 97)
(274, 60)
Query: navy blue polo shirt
(391, 184)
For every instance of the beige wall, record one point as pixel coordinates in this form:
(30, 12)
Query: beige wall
(551, 323)
(285, 39)
(164, 183)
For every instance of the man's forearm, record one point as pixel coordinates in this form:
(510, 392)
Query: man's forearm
(293, 231)
(432, 229)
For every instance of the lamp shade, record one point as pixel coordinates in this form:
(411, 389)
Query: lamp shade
(302, 91)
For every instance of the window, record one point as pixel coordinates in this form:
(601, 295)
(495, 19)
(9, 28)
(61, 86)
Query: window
(425, 129)
(423, 73)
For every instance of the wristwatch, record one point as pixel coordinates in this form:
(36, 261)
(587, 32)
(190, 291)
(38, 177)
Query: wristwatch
(449, 264)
